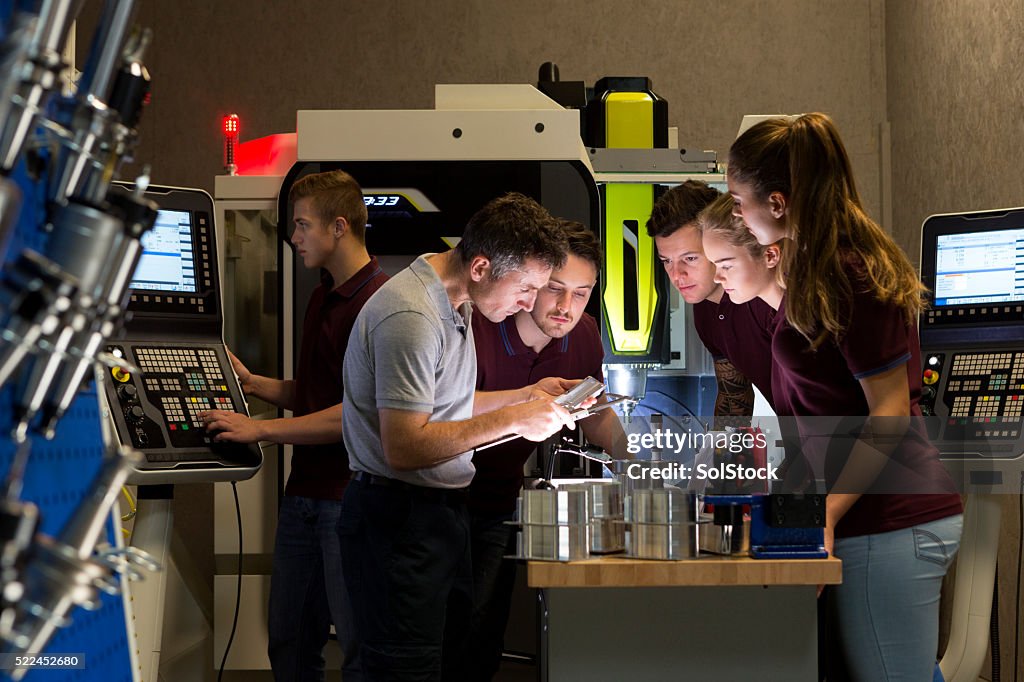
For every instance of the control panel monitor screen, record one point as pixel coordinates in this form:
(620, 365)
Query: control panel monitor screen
(979, 268)
(168, 261)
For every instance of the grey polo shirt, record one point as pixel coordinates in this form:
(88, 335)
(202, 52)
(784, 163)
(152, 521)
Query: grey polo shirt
(409, 350)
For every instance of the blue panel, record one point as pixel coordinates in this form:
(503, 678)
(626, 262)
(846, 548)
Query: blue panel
(27, 232)
(769, 542)
(59, 475)
(59, 472)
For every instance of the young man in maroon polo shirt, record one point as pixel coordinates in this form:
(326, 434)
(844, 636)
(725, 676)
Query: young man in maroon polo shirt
(737, 336)
(307, 591)
(554, 339)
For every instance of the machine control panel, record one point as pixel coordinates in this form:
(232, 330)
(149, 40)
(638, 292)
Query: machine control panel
(180, 383)
(158, 410)
(972, 345)
(175, 363)
(976, 396)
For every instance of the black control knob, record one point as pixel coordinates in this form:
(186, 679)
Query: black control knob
(135, 415)
(127, 392)
(927, 393)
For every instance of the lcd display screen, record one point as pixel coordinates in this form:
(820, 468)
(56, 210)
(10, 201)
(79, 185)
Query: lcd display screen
(168, 260)
(978, 268)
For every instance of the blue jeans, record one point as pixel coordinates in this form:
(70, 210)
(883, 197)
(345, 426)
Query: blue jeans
(307, 593)
(491, 539)
(884, 617)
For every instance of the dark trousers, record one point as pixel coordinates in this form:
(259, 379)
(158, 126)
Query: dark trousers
(491, 540)
(307, 593)
(405, 555)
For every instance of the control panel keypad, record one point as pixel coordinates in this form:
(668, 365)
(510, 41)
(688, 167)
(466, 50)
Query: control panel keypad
(985, 394)
(175, 363)
(163, 384)
(195, 405)
(183, 382)
(209, 363)
(172, 410)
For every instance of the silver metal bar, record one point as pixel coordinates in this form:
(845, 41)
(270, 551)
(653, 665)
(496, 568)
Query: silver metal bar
(106, 49)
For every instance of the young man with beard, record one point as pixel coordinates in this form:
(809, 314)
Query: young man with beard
(555, 339)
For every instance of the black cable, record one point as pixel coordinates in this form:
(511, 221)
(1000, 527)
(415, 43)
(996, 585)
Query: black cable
(1020, 551)
(238, 591)
(993, 629)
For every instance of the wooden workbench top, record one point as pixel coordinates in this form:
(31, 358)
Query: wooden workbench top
(708, 571)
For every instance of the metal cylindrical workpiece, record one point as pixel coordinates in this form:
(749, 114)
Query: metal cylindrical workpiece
(667, 541)
(83, 243)
(662, 505)
(553, 543)
(566, 505)
(662, 523)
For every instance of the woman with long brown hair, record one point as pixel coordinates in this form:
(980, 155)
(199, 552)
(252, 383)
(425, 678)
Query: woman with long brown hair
(846, 345)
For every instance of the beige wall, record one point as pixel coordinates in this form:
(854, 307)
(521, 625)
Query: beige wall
(955, 97)
(955, 102)
(712, 61)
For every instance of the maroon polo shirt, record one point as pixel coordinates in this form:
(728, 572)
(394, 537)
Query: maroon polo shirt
(826, 383)
(740, 333)
(321, 471)
(504, 362)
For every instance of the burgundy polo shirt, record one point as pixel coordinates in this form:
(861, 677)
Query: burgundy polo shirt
(740, 333)
(826, 383)
(321, 471)
(504, 362)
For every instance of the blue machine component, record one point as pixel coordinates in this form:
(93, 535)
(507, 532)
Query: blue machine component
(777, 524)
(67, 251)
(59, 476)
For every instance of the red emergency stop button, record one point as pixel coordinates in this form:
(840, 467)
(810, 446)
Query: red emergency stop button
(930, 376)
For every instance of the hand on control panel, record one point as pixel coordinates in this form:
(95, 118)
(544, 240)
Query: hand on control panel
(245, 377)
(231, 426)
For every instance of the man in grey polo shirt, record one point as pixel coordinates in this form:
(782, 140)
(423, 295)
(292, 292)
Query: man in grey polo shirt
(411, 421)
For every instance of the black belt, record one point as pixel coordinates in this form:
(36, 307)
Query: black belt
(438, 494)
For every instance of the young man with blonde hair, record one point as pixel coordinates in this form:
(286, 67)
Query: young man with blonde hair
(555, 339)
(307, 589)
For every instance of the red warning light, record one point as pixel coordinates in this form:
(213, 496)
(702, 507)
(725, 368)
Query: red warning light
(231, 129)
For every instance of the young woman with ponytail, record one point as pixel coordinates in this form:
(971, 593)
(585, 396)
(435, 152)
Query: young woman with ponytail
(845, 344)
